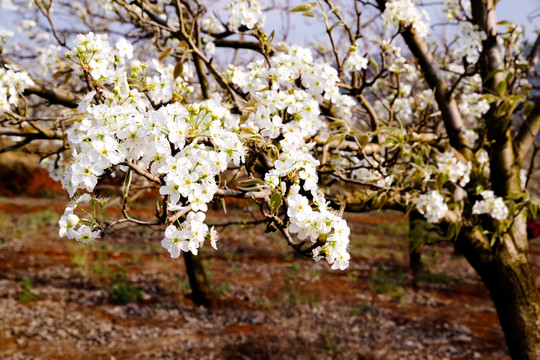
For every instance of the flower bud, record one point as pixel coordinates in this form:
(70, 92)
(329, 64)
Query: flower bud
(72, 219)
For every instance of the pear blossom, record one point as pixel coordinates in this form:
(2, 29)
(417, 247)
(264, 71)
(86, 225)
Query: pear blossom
(491, 205)
(432, 206)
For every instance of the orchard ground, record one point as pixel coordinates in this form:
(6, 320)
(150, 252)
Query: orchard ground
(125, 298)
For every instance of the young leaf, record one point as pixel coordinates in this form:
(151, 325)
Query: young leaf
(164, 54)
(178, 69)
(303, 7)
(275, 202)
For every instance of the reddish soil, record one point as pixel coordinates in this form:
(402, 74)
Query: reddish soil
(56, 297)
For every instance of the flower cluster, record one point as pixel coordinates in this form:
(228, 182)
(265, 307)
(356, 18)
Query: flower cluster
(159, 80)
(371, 170)
(492, 205)
(183, 148)
(72, 227)
(356, 61)
(162, 141)
(12, 84)
(189, 237)
(404, 13)
(432, 206)
(320, 225)
(454, 169)
(285, 106)
(472, 106)
(454, 8)
(93, 53)
(274, 90)
(245, 12)
(469, 42)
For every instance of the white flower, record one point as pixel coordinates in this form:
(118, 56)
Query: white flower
(86, 235)
(432, 206)
(355, 62)
(174, 241)
(124, 47)
(456, 170)
(213, 238)
(245, 12)
(492, 205)
(404, 12)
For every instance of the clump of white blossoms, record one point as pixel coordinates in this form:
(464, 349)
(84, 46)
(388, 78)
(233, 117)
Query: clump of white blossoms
(356, 61)
(12, 84)
(432, 206)
(72, 227)
(184, 148)
(472, 106)
(285, 105)
(93, 51)
(404, 13)
(454, 8)
(245, 12)
(469, 42)
(492, 205)
(455, 170)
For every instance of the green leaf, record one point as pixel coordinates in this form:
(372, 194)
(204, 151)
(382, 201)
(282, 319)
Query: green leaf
(501, 87)
(516, 196)
(493, 73)
(374, 64)
(251, 182)
(275, 202)
(308, 14)
(363, 140)
(303, 7)
(509, 77)
(533, 208)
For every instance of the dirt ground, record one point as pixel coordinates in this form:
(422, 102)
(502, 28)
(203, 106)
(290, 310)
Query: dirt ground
(125, 298)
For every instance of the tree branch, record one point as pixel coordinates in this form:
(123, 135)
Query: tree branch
(527, 132)
(53, 94)
(453, 122)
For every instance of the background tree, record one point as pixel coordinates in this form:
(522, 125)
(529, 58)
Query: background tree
(386, 118)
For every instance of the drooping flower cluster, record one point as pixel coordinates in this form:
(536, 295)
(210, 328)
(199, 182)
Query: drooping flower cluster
(285, 105)
(314, 221)
(432, 206)
(72, 227)
(12, 84)
(245, 12)
(404, 13)
(492, 205)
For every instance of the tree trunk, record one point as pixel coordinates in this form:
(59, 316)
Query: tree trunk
(200, 289)
(415, 242)
(506, 271)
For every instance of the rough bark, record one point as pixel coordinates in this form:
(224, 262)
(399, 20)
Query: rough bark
(200, 288)
(506, 271)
